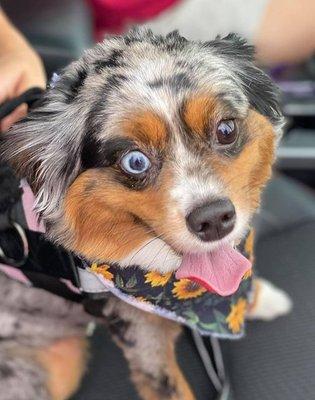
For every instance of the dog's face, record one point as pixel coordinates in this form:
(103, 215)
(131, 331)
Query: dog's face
(150, 147)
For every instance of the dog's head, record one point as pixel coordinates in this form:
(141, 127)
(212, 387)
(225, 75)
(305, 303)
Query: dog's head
(150, 147)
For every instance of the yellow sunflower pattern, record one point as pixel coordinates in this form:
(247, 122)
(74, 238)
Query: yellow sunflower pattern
(184, 300)
(236, 317)
(186, 289)
(248, 274)
(102, 270)
(141, 298)
(249, 245)
(156, 279)
(249, 249)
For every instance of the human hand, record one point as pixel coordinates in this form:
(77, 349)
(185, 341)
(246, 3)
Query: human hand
(20, 69)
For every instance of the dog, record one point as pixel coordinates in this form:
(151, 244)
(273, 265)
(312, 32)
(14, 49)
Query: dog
(147, 148)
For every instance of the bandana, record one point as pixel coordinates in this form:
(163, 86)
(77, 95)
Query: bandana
(183, 300)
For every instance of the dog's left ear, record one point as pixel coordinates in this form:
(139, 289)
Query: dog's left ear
(260, 90)
(45, 146)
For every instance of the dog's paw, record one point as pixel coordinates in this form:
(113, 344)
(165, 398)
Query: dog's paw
(269, 301)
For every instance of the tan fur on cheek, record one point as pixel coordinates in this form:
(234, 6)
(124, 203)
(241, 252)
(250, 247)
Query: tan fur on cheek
(107, 220)
(101, 225)
(246, 175)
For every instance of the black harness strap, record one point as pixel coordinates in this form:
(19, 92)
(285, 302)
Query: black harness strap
(45, 264)
(29, 97)
(13, 242)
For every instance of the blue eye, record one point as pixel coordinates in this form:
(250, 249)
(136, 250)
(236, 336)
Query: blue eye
(135, 162)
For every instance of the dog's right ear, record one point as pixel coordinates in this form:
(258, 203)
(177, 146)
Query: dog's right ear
(44, 148)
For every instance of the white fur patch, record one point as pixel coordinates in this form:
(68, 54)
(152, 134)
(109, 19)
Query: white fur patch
(193, 189)
(155, 255)
(271, 302)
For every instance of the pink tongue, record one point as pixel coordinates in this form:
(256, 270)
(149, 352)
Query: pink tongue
(220, 270)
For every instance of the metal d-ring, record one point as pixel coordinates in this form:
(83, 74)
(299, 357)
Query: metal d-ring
(11, 261)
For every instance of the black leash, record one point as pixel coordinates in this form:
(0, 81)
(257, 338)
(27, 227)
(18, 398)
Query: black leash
(29, 97)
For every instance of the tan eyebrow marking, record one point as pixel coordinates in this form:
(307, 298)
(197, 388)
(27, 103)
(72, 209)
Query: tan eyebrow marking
(197, 113)
(148, 128)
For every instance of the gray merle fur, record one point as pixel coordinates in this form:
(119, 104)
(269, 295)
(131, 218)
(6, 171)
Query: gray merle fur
(113, 81)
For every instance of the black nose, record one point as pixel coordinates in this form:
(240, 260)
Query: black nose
(212, 221)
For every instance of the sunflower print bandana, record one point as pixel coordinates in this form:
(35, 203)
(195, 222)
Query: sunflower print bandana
(181, 300)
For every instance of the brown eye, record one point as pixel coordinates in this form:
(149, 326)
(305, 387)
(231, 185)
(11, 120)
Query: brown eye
(226, 132)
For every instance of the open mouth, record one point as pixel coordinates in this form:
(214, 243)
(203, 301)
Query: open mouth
(220, 270)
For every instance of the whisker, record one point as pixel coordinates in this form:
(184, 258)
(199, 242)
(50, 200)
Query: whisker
(165, 258)
(144, 246)
(154, 258)
(124, 245)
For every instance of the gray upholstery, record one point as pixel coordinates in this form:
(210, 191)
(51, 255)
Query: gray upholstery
(276, 360)
(285, 204)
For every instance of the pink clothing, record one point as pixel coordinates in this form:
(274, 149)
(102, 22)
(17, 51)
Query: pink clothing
(113, 16)
(14, 273)
(28, 200)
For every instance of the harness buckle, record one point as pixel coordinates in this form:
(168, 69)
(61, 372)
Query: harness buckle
(23, 239)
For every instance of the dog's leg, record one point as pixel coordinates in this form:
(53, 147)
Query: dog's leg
(269, 302)
(21, 377)
(44, 373)
(64, 362)
(42, 343)
(148, 343)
